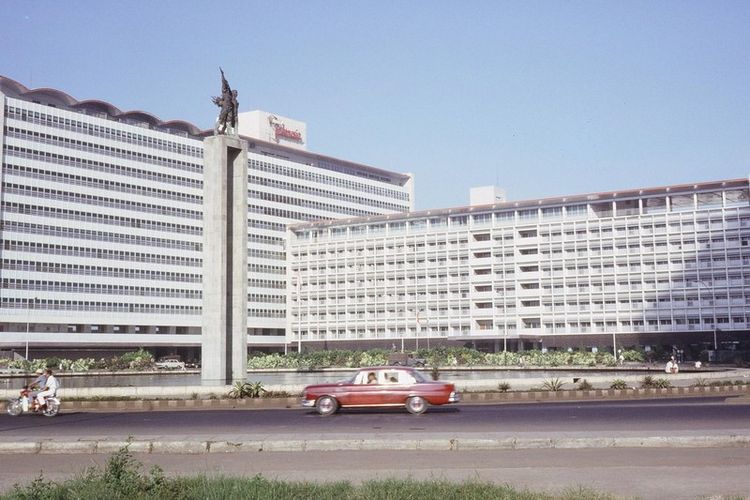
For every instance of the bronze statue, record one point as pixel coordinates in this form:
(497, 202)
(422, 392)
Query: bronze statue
(229, 108)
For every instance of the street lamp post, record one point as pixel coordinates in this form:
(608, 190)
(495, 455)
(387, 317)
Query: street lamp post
(28, 319)
(28, 322)
(420, 325)
(614, 343)
(299, 315)
(716, 345)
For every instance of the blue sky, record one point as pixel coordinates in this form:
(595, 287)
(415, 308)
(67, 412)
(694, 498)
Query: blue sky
(543, 98)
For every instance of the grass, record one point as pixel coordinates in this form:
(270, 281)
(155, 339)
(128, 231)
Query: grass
(123, 478)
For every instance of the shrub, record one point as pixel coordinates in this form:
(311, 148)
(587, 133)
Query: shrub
(662, 383)
(501, 358)
(503, 387)
(618, 384)
(584, 385)
(83, 364)
(435, 373)
(242, 390)
(134, 360)
(635, 355)
(648, 381)
(554, 384)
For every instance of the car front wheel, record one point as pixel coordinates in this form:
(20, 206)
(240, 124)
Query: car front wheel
(416, 405)
(326, 405)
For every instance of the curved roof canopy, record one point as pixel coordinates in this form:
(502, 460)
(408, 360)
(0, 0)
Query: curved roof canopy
(59, 98)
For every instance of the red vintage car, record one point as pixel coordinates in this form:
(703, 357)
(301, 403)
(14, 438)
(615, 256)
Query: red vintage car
(380, 386)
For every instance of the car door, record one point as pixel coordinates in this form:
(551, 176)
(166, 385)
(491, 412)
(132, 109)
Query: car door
(397, 385)
(362, 393)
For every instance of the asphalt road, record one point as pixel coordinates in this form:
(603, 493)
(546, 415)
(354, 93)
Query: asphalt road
(705, 416)
(682, 472)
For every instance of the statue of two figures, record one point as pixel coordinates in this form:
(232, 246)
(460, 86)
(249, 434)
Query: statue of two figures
(226, 123)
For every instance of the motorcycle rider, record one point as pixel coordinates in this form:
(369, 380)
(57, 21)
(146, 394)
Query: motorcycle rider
(50, 389)
(37, 385)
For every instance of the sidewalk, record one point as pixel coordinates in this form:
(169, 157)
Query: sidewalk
(384, 442)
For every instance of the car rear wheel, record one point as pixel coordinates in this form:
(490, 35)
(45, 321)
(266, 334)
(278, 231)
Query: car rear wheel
(416, 405)
(326, 405)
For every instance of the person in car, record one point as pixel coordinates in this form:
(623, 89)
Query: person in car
(372, 378)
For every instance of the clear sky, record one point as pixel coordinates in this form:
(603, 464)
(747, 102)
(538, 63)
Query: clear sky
(543, 98)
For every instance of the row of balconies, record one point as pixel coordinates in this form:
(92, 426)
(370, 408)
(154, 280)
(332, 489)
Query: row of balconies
(348, 266)
(724, 225)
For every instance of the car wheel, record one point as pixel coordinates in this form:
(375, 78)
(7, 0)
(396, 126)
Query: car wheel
(326, 405)
(419, 365)
(396, 363)
(416, 405)
(14, 407)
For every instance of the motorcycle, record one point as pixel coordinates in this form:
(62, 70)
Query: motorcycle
(23, 404)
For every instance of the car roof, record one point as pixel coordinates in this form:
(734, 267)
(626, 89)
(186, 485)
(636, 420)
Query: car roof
(386, 367)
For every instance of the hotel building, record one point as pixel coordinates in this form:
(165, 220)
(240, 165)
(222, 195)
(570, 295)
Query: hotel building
(655, 266)
(101, 214)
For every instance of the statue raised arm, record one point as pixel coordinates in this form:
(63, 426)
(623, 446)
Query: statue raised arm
(229, 107)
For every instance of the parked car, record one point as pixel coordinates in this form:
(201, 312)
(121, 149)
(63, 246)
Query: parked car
(170, 364)
(380, 386)
(405, 359)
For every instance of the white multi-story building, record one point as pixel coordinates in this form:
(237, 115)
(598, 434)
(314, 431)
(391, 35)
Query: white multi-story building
(656, 266)
(101, 214)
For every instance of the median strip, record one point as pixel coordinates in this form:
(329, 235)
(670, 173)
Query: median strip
(367, 444)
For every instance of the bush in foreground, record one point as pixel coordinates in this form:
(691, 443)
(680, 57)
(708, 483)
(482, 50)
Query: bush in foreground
(123, 478)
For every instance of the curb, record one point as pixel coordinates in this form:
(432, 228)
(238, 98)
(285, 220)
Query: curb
(429, 444)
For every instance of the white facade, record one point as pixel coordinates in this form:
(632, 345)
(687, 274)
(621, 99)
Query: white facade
(102, 222)
(486, 195)
(582, 270)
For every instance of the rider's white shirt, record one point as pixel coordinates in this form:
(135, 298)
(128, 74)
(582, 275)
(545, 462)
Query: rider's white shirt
(52, 384)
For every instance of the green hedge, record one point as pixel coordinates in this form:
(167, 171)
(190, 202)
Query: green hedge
(440, 356)
(135, 360)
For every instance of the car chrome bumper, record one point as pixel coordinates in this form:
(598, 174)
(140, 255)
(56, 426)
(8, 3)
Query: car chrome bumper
(455, 397)
(307, 403)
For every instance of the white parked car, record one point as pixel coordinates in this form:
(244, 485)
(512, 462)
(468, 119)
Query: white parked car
(170, 364)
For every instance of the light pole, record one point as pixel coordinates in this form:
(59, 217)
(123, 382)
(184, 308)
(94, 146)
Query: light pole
(28, 321)
(299, 315)
(701, 282)
(420, 322)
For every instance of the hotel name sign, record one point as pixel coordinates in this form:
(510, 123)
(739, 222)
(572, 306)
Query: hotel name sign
(281, 131)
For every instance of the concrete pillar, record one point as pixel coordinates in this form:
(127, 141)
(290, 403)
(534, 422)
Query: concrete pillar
(224, 333)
